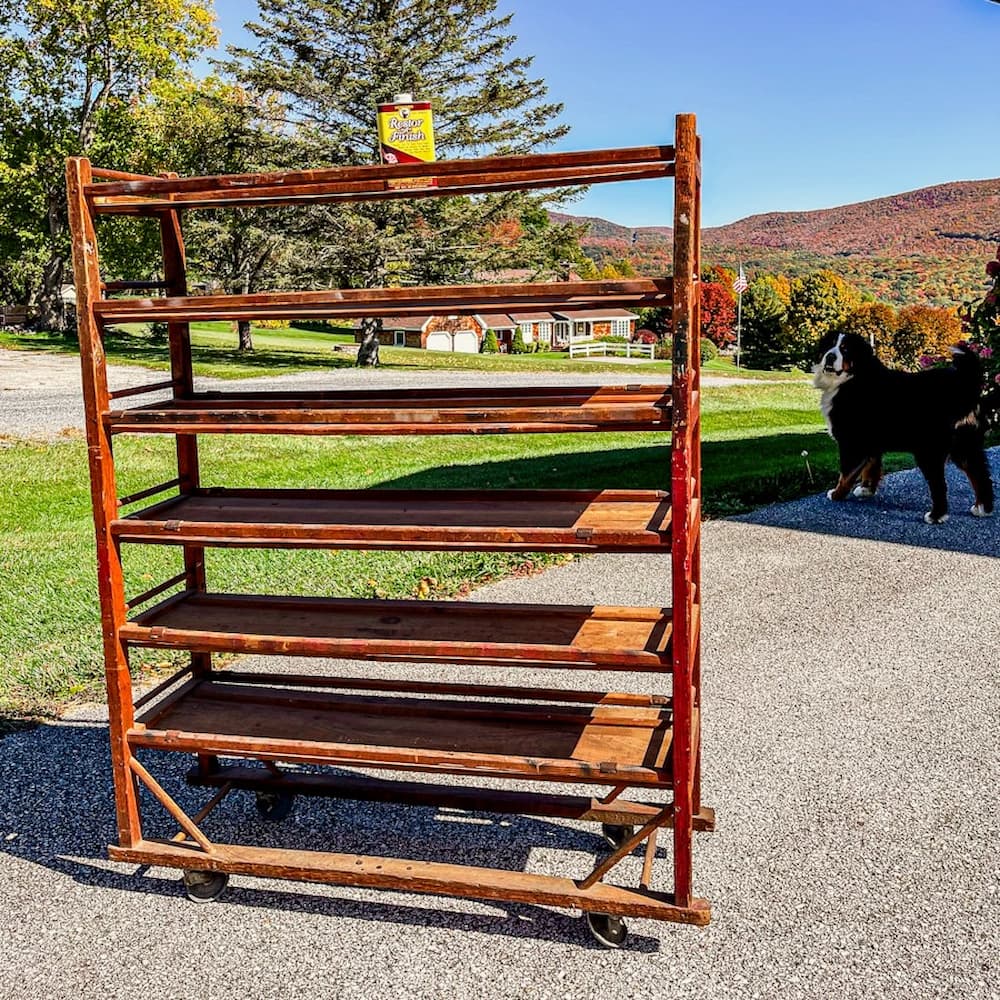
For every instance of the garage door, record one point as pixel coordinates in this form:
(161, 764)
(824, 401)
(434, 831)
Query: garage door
(466, 342)
(440, 341)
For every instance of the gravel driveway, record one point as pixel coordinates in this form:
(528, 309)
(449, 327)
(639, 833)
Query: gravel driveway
(852, 727)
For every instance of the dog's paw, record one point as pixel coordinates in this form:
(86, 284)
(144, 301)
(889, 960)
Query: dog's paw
(863, 492)
(831, 494)
(978, 510)
(931, 519)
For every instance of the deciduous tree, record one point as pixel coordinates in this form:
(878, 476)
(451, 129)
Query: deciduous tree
(69, 72)
(818, 302)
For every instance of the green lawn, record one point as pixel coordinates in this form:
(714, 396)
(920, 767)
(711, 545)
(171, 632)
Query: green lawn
(49, 623)
(286, 350)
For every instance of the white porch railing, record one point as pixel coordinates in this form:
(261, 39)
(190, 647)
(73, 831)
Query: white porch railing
(599, 349)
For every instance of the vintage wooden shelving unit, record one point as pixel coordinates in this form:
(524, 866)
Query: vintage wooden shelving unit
(243, 726)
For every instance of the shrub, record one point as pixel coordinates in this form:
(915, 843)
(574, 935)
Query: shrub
(982, 326)
(270, 324)
(709, 352)
(646, 337)
(490, 343)
(614, 338)
(517, 345)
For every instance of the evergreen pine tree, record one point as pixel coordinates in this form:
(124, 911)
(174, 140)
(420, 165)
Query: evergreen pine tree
(490, 343)
(329, 62)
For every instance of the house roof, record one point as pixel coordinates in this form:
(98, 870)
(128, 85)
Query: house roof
(411, 323)
(532, 317)
(496, 321)
(582, 314)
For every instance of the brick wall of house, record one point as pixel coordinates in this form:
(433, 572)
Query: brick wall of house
(601, 330)
(452, 325)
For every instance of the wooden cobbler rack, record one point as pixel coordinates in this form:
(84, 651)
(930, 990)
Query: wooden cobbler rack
(254, 730)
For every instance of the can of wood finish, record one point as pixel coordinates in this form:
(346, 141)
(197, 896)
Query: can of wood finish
(406, 135)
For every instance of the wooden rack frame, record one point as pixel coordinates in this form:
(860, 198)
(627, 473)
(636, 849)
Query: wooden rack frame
(610, 739)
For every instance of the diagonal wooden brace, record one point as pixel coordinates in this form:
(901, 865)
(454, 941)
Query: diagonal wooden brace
(172, 807)
(662, 818)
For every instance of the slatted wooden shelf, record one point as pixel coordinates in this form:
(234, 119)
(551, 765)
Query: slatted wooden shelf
(604, 743)
(436, 411)
(584, 636)
(137, 195)
(352, 303)
(480, 520)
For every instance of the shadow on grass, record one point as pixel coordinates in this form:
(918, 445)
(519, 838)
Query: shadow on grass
(70, 836)
(739, 475)
(755, 479)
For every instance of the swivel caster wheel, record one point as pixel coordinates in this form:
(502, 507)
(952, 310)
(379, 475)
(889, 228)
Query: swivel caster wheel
(611, 932)
(616, 835)
(275, 806)
(204, 887)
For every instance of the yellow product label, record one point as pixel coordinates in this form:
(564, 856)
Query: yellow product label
(406, 135)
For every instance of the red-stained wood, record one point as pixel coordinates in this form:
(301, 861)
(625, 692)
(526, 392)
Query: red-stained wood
(110, 581)
(354, 303)
(457, 411)
(612, 638)
(139, 390)
(448, 689)
(135, 185)
(515, 520)
(378, 190)
(416, 876)
(685, 411)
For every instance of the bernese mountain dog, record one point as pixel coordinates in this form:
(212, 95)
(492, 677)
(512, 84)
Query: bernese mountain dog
(933, 414)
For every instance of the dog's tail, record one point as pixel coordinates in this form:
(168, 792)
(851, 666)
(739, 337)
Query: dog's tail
(969, 369)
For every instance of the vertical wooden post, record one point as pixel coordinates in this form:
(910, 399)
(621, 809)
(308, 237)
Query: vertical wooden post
(686, 362)
(696, 484)
(110, 583)
(188, 468)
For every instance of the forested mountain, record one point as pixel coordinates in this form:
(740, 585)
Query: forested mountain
(926, 246)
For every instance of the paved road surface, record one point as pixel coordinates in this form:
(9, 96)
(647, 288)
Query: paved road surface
(852, 727)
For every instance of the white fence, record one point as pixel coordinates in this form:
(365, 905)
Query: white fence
(599, 349)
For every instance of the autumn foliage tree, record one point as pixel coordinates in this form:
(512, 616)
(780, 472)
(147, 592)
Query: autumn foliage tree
(923, 331)
(876, 322)
(718, 313)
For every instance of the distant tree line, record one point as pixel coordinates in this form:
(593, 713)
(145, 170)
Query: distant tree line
(782, 319)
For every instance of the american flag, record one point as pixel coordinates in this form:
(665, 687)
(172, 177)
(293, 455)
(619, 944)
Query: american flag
(740, 285)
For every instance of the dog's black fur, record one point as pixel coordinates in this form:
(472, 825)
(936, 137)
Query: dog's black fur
(934, 414)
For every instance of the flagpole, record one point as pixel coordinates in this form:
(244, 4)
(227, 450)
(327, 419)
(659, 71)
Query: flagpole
(739, 322)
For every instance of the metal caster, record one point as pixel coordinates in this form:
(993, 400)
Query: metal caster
(616, 835)
(275, 806)
(204, 887)
(611, 932)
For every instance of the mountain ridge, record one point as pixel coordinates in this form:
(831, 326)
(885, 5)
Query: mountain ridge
(926, 245)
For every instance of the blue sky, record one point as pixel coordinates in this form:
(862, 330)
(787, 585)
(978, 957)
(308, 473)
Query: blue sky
(801, 105)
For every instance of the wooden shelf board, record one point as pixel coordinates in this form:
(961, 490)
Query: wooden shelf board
(415, 876)
(354, 303)
(539, 409)
(602, 743)
(440, 631)
(518, 520)
(147, 195)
